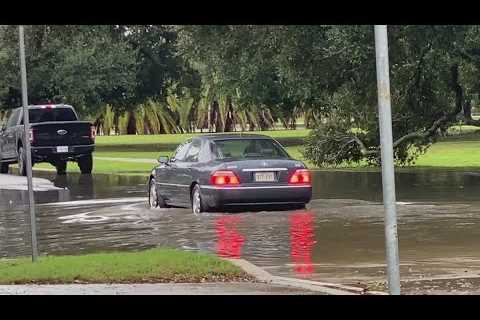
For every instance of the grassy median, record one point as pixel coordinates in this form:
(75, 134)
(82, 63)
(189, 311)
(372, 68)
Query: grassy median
(136, 155)
(127, 154)
(165, 139)
(149, 266)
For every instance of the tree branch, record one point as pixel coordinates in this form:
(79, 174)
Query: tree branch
(423, 134)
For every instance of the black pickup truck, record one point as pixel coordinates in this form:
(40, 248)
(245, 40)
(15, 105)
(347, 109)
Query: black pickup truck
(56, 136)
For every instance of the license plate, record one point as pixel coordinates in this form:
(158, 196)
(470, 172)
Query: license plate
(62, 149)
(264, 176)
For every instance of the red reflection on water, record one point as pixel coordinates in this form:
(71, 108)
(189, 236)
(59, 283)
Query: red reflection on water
(230, 241)
(302, 238)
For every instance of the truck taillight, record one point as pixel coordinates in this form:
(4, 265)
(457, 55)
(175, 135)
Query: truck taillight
(31, 136)
(93, 133)
(224, 178)
(300, 176)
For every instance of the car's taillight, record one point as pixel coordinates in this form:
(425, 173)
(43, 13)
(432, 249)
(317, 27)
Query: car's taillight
(300, 176)
(93, 132)
(224, 178)
(31, 136)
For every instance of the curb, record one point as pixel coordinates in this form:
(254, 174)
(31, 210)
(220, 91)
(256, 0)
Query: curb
(324, 287)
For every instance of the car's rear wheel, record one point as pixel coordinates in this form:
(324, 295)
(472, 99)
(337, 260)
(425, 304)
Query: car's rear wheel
(198, 205)
(85, 164)
(22, 162)
(61, 167)
(4, 167)
(154, 199)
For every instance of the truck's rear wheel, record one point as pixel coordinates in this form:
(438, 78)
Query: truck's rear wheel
(3, 167)
(61, 167)
(86, 164)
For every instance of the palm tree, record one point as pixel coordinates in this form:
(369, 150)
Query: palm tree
(184, 108)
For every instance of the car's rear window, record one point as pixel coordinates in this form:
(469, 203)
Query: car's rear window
(248, 149)
(51, 114)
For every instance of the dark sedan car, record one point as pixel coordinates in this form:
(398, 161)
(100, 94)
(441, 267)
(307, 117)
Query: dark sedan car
(229, 170)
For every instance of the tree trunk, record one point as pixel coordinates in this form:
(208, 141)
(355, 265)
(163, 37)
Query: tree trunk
(229, 119)
(209, 118)
(132, 123)
(251, 122)
(116, 120)
(215, 117)
(147, 126)
(293, 124)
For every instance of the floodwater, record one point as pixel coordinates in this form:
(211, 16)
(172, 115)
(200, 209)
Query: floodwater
(338, 238)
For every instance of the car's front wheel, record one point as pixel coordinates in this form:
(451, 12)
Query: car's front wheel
(154, 199)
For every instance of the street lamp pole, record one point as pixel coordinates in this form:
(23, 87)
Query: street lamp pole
(26, 126)
(388, 170)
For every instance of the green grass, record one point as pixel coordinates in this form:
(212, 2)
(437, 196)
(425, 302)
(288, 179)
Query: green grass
(151, 147)
(167, 139)
(461, 130)
(453, 154)
(459, 150)
(154, 265)
(105, 166)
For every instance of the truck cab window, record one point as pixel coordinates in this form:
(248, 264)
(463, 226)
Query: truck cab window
(13, 120)
(51, 115)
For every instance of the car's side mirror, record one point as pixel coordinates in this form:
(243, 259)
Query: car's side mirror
(163, 159)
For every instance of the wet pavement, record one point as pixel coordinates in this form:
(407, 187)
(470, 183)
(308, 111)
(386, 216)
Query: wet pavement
(240, 288)
(339, 238)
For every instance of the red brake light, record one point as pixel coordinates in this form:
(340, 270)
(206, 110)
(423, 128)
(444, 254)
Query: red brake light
(93, 133)
(300, 176)
(224, 178)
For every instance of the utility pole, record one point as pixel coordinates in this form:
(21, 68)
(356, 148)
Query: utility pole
(26, 126)
(388, 170)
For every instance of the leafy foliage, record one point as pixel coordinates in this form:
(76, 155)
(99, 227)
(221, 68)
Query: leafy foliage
(169, 79)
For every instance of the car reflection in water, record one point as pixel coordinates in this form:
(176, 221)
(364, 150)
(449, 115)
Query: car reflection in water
(302, 239)
(230, 241)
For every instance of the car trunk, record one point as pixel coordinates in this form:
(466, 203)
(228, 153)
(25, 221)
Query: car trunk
(262, 170)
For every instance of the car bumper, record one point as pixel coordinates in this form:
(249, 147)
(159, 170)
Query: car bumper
(50, 153)
(255, 195)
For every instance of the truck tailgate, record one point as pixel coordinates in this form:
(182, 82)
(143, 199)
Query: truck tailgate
(71, 133)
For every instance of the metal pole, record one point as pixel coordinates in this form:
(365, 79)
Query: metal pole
(26, 125)
(388, 171)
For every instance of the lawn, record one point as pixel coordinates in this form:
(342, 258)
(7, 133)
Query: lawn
(460, 150)
(150, 266)
(106, 166)
(451, 154)
(175, 139)
(152, 146)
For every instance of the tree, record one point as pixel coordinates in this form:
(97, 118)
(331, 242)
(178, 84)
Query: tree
(429, 76)
(80, 65)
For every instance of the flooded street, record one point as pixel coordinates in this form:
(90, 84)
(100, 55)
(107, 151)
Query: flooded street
(339, 238)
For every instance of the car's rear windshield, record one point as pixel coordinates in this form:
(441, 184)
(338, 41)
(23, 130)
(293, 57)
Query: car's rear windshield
(248, 149)
(51, 114)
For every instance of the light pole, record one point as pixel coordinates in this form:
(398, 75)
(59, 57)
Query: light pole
(26, 126)
(388, 171)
